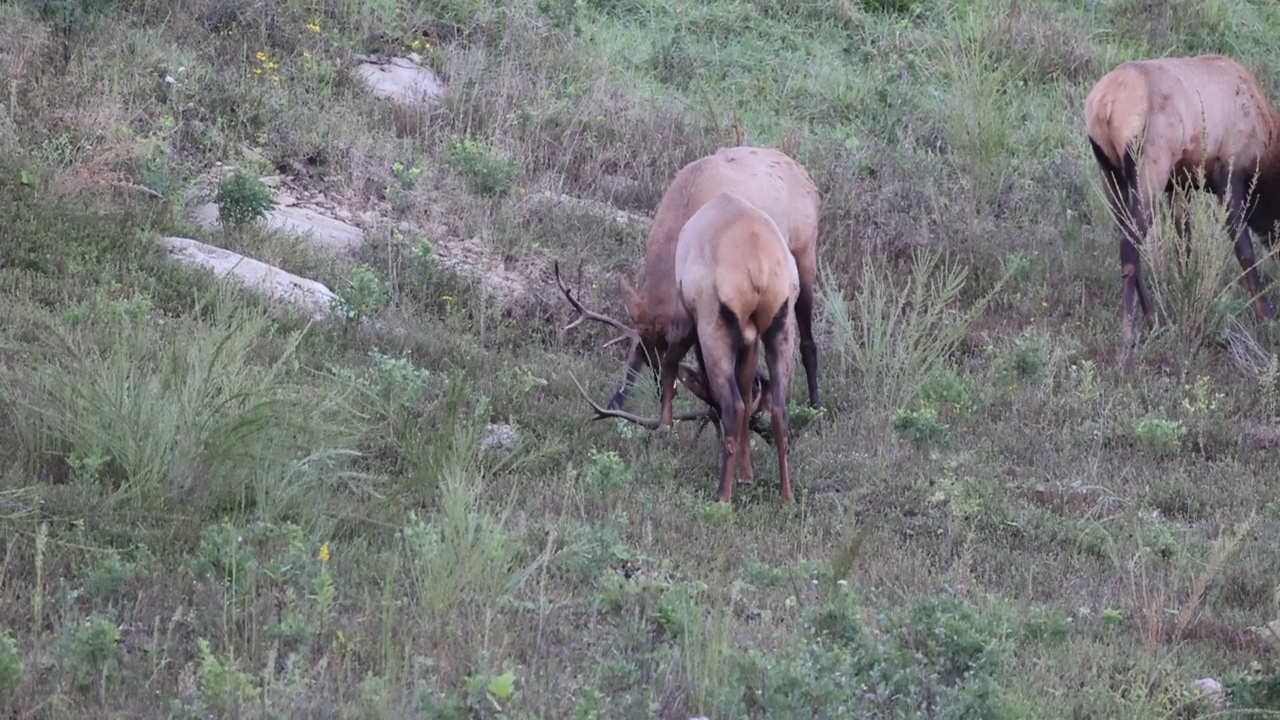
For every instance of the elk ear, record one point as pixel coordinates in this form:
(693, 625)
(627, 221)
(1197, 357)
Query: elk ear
(635, 306)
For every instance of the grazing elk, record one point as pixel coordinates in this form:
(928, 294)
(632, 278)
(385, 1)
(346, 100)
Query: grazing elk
(1152, 124)
(765, 178)
(736, 286)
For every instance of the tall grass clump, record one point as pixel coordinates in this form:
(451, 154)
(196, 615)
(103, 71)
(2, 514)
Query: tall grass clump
(143, 408)
(896, 333)
(1190, 268)
(458, 564)
(981, 113)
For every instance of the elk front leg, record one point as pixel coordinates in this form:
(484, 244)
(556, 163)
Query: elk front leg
(670, 369)
(1253, 277)
(634, 360)
(808, 348)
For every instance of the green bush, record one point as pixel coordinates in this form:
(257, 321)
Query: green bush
(487, 171)
(242, 200)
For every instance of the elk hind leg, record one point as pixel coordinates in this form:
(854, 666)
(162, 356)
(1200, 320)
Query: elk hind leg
(719, 358)
(1142, 185)
(746, 378)
(779, 343)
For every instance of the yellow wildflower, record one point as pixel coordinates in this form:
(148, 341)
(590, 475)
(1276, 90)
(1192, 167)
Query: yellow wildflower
(447, 298)
(323, 555)
(262, 57)
(313, 27)
(415, 44)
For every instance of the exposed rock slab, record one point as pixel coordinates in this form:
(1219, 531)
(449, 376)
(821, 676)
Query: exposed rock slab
(400, 78)
(324, 232)
(592, 208)
(477, 261)
(281, 286)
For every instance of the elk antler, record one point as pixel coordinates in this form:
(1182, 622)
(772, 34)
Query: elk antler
(693, 381)
(650, 423)
(628, 332)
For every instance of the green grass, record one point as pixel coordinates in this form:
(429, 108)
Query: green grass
(210, 508)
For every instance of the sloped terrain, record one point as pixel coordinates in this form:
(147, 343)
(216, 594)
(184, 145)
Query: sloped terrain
(214, 504)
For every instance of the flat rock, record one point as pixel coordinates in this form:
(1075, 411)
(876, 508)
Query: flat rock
(604, 211)
(329, 233)
(324, 232)
(279, 285)
(400, 78)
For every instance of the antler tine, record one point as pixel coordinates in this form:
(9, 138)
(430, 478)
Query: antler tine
(628, 332)
(650, 423)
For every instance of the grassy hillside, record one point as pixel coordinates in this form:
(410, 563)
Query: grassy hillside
(209, 508)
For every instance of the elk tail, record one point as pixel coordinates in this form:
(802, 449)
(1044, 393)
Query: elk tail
(741, 335)
(1130, 169)
(779, 321)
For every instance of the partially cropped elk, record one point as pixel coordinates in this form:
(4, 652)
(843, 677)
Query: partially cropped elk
(1153, 124)
(736, 286)
(765, 178)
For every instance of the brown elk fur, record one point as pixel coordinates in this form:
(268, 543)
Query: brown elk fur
(765, 178)
(737, 283)
(1153, 124)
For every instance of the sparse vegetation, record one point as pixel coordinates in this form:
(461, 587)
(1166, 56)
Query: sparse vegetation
(242, 200)
(210, 508)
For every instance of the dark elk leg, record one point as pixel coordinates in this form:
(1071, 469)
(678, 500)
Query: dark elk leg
(1131, 285)
(746, 369)
(670, 369)
(777, 354)
(732, 417)
(808, 348)
(1121, 187)
(1132, 230)
(1253, 277)
(634, 361)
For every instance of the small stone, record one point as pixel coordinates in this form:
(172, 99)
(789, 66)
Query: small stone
(499, 435)
(1212, 689)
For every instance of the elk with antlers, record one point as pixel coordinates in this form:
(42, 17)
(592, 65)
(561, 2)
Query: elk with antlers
(739, 284)
(766, 178)
(736, 285)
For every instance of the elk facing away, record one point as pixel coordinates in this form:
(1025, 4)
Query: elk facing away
(736, 285)
(763, 177)
(1153, 123)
